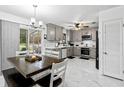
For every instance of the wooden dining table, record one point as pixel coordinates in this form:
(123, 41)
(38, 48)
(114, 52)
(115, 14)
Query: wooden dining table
(28, 69)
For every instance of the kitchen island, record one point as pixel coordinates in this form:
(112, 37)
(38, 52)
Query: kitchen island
(70, 51)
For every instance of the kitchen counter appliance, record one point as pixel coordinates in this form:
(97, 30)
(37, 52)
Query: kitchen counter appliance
(86, 37)
(85, 53)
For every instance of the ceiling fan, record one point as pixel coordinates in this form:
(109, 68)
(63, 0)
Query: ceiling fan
(81, 25)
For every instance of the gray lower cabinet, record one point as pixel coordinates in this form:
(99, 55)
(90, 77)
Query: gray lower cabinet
(77, 51)
(93, 35)
(93, 52)
(70, 51)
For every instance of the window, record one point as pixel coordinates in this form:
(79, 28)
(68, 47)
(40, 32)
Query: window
(23, 39)
(30, 40)
(35, 41)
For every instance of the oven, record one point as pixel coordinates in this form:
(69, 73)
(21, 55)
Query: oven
(85, 53)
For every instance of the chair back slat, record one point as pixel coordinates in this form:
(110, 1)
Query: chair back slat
(58, 71)
(59, 75)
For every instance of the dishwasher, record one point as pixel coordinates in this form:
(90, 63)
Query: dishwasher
(64, 53)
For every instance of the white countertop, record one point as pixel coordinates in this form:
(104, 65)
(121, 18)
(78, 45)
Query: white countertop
(61, 47)
(81, 46)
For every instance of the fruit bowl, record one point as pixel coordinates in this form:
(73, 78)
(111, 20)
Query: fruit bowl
(33, 58)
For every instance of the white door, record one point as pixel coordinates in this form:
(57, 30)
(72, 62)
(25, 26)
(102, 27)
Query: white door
(112, 51)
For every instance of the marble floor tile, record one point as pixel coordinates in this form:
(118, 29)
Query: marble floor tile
(82, 73)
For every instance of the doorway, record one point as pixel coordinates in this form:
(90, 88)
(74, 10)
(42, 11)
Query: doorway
(112, 48)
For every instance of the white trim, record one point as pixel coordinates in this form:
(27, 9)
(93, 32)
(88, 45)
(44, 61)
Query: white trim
(13, 18)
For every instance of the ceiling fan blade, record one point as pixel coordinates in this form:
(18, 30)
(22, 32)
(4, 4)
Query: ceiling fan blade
(70, 26)
(88, 22)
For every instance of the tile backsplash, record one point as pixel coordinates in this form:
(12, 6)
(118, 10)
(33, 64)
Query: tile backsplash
(50, 44)
(88, 43)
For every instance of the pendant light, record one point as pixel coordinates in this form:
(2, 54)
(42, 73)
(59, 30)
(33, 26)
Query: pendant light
(33, 19)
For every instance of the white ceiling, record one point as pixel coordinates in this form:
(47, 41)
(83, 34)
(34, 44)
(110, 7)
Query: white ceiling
(58, 14)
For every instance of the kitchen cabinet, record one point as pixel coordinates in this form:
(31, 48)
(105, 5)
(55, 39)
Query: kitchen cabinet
(51, 32)
(53, 53)
(77, 36)
(64, 52)
(54, 32)
(83, 32)
(73, 36)
(70, 37)
(93, 35)
(70, 51)
(77, 51)
(59, 33)
(93, 53)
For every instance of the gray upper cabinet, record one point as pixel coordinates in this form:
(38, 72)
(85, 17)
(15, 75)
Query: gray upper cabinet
(59, 33)
(93, 35)
(54, 32)
(77, 36)
(74, 36)
(84, 32)
(70, 35)
(51, 32)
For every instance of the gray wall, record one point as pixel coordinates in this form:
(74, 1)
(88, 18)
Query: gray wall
(10, 42)
(0, 45)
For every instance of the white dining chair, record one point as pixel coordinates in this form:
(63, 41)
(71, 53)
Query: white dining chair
(41, 75)
(21, 53)
(2, 81)
(57, 76)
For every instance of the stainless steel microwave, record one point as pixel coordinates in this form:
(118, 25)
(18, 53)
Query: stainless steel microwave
(86, 37)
